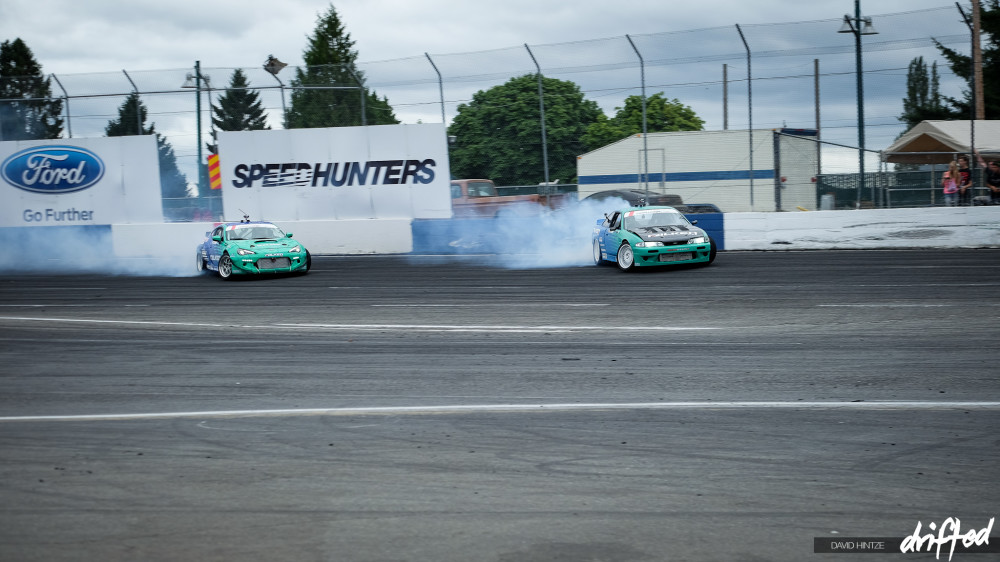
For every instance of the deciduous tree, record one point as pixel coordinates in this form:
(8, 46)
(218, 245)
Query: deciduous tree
(498, 135)
(662, 115)
(923, 99)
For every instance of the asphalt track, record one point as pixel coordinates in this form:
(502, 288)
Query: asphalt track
(431, 409)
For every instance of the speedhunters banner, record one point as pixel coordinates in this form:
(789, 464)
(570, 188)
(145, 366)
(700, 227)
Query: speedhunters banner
(378, 172)
(79, 182)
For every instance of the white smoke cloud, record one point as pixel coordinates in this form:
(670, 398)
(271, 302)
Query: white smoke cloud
(527, 237)
(68, 250)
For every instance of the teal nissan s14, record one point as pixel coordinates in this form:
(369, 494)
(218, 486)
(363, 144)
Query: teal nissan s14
(238, 248)
(650, 236)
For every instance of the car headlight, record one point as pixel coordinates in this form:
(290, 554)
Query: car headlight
(243, 252)
(698, 240)
(295, 250)
(648, 244)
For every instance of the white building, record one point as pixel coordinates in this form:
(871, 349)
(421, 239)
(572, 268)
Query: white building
(710, 167)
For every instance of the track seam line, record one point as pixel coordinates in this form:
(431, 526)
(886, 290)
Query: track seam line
(502, 408)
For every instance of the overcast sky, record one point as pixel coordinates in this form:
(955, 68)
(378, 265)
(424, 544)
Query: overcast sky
(71, 36)
(164, 38)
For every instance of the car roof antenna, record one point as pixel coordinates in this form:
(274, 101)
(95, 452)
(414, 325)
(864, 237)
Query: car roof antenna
(246, 217)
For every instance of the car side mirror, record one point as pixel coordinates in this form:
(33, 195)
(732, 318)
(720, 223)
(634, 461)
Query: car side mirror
(288, 235)
(695, 221)
(217, 238)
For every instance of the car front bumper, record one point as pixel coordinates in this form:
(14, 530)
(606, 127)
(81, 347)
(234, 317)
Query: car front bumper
(672, 255)
(254, 264)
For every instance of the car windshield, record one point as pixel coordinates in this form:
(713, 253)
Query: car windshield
(649, 218)
(255, 232)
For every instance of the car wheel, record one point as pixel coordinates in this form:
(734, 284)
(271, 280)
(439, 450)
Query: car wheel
(626, 259)
(309, 263)
(225, 267)
(597, 253)
(199, 263)
(711, 252)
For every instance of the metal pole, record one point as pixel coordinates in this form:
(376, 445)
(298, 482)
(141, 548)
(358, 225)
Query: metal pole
(211, 122)
(440, 90)
(725, 97)
(974, 98)
(541, 108)
(69, 120)
(281, 86)
(977, 62)
(819, 152)
(861, 101)
(197, 105)
(364, 117)
(749, 108)
(776, 140)
(645, 141)
(138, 113)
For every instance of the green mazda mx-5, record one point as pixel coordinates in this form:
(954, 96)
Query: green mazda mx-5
(649, 236)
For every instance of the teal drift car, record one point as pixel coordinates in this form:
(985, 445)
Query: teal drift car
(650, 236)
(238, 248)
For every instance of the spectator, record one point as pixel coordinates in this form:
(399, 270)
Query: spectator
(950, 184)
(991, 178)
(993, 181)
(965, 181)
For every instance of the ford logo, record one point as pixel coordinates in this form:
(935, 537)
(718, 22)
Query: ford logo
(53, 169)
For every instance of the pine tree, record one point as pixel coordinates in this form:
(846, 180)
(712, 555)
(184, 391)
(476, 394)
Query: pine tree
(34, 114)
(378, 111)
(131, 121)
(961, 64)
(239, 108)
(325, 93)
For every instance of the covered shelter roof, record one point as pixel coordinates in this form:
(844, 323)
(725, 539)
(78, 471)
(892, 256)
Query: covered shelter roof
(937, 142)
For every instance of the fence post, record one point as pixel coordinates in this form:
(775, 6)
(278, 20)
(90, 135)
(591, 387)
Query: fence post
(933, 169)
(725, 97)
(819, 137)
(444, 120)
(749, 108)
(645, 142)
(69, 119)
(138, 113)
(361, 87)
(541, 108)
(777, 170)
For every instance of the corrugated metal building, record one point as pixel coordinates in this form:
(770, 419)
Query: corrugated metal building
(710, 167)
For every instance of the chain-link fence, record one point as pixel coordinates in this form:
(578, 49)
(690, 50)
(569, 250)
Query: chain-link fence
(795, 75)
(885, 185)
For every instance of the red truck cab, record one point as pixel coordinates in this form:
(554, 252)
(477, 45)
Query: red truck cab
(480, 198)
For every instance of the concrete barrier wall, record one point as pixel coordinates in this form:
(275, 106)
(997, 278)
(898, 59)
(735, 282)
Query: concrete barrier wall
(972, 227)
(320, 237)
(939, 227)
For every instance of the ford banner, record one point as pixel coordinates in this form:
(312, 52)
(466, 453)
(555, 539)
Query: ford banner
(52, 169)
(79, 182)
